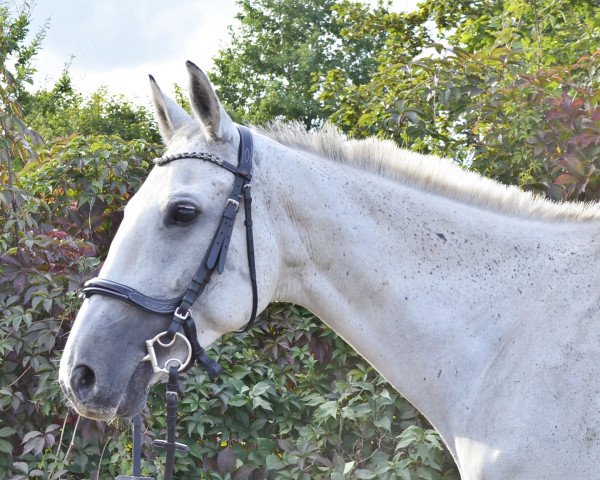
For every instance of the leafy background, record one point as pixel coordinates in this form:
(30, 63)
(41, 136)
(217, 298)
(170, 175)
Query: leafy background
(506, 88)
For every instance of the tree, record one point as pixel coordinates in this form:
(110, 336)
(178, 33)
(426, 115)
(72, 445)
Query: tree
(58, 203)
(282, 50)
(484, 91)
(62, 110)
(16, 138)
(71, 204)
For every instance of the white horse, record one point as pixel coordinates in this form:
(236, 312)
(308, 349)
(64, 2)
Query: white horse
(478, 302)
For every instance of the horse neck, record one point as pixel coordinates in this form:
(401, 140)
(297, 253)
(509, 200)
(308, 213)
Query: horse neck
(422, 287)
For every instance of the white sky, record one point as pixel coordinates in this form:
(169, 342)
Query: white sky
(117, 43)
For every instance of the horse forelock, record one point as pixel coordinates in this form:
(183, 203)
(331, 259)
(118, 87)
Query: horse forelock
(427, 172)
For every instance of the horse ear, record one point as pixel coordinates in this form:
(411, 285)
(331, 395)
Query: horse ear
(169, 115)
(206, 106)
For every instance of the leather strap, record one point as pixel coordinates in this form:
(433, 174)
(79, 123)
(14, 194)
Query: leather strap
(212, 368)
(220, 244)
(131, 296)
(137, 446)
(250, 250)
(170, 445)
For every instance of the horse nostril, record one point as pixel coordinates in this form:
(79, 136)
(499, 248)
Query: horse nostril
(83, 379)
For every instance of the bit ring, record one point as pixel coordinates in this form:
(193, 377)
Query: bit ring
(151, 357)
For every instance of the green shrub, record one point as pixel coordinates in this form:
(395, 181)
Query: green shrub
(68, 202)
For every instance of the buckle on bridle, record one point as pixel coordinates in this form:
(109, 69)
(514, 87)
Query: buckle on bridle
(151, 357)
(181, 316)
(235, 203)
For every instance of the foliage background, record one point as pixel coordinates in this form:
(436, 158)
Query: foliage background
(507, 88)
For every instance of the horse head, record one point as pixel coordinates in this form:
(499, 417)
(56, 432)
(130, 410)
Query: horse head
(167, 228)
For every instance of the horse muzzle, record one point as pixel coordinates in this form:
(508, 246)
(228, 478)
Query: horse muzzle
(94, 394)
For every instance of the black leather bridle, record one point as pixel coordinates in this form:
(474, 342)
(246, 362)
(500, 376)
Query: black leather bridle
(179, 308)
(214, 259)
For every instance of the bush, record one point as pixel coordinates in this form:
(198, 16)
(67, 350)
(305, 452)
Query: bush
(68, 202)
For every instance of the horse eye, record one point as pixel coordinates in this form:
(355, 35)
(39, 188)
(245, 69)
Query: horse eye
(183, 214)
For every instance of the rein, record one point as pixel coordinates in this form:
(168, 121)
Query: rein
(179, 308)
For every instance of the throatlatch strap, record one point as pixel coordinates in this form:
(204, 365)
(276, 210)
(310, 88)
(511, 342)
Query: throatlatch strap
(217, 252)
(250, 251)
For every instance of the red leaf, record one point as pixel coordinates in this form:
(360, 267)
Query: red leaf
(9, 260)
(57, 234)
(50, 439)
(584, 139)
(555, 114)
(226, 460)
(573, 165)
(566, 103)
(19, 283)
(244, 472)
(565, 179)
(577, 103)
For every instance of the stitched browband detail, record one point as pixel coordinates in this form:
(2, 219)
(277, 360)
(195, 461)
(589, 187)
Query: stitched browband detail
(209, 157)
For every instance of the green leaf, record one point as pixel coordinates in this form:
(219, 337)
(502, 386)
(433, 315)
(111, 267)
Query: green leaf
(273, 462)
(412, 116)
(22, 466)
(364, 474)
(261, 402)
(265, 446)
(362, 409)
(384, 422)
(260, 388)
(329, 408)
(238, 400)
(7, 431)
(6, 446)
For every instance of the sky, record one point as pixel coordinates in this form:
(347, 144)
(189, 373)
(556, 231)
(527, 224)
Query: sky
(117, 43)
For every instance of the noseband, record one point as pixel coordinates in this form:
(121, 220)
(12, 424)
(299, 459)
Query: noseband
(214, 259)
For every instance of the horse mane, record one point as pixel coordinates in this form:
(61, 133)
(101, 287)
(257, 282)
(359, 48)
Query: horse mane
(433, 174)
